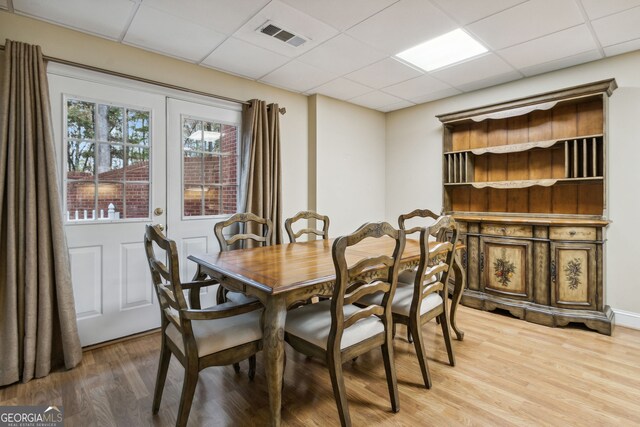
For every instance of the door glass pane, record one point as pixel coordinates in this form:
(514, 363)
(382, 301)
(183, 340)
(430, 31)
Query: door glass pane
(137, 127)
(192, 168)
(137, 200)
(229, 140)
(80, 199)
(212, 201)
(229, 199)
(211, 169)
(192, 135)
(211, 137)
(80, 163)
(111, 200)
(192, 200)
(80, 119)
(137, 164)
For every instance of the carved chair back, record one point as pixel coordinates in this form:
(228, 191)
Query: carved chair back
(293, 236)
(239, 240)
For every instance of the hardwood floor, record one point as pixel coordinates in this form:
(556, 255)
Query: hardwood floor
(508, 372)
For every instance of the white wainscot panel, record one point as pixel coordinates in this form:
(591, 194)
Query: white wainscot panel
(86, 276)
(137, 289)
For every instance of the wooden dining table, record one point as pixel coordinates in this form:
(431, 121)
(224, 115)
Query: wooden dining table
(281, 275)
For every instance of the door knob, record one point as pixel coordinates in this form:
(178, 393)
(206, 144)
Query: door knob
(158, 211)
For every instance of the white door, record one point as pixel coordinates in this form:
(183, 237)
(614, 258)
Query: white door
(202, 173)
(111, 146)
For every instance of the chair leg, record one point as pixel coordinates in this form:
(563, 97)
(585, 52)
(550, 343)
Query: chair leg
(236, 367)
(252, 367)
(221, 295)
(418, 343)
(339, 391)
(446, 333)
(163, 367)
(409, 335)
(186, 398)
(392, 380)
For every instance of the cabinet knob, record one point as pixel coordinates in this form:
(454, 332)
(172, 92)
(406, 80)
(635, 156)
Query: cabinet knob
(572, 233)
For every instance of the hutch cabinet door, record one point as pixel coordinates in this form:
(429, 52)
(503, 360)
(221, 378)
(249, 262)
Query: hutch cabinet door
(573, 275)
(506, 267)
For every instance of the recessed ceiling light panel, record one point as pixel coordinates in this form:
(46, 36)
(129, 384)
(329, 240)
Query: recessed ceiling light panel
(447, 49)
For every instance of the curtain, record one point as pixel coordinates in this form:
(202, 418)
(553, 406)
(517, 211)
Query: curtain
(261, 169)
(38, 329)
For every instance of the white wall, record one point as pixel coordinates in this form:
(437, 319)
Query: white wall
(350, 164)
(414, 162)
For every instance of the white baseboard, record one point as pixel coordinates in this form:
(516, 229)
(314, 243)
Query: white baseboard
(626, 319)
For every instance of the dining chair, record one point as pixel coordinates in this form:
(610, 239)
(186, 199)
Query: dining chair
(336, 330)
(306, 215)
(198, 338)
(239, 240)
(425, 297)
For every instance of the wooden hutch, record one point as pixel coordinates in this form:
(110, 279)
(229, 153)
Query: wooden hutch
(527, 181)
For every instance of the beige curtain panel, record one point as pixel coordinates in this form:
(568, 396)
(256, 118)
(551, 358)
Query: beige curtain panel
(38, 329)
(261, 126)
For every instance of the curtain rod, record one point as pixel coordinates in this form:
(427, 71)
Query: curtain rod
(282, 110)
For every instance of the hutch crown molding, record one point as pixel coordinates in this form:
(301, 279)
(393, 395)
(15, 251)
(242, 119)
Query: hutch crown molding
(527, 180)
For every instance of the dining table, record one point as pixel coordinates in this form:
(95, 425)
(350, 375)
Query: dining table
(283, 274)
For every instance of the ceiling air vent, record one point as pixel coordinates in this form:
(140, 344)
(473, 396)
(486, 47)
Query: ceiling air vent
(288, 37)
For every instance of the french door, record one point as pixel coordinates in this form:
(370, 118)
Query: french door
(127, 157)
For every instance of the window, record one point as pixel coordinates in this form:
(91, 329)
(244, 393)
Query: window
(107, 156)
(209, 167)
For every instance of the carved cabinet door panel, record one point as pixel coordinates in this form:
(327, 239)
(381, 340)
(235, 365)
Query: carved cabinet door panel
(573, 275)
(506, 267)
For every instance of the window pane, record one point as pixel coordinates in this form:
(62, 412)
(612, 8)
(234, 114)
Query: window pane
(192, 135)
(138, 127)
(192, 168)
(211, 137)
(229, 169)
(137, 198)
(229, 139)
(229, 199)
(80, 163)
(192, 200)
(80, 119)
(212, 201)
(211, 169)
(110, 162)
(115, 119)
(110, 203)
(80, 198)
(137, 164)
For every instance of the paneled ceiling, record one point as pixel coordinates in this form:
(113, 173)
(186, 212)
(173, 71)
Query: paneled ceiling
(350, 48)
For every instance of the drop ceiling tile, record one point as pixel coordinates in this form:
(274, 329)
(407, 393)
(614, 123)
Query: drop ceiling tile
(549, 48)
(467, 11)
(395, 106)
(625, 47)
(598, 8)
(340, 14)
(156, 30)
(618, 28)
(290, 19)
(490, 81)
(342, 54)
(224, 16)
(419, 86)
(107, 19)
(341, 88)
(446, 93)
(480, 68)
(558, 64)
(239, 57)
(403, 25)
(298, 76)
(384, 73)
(375, 99)
(526, 21)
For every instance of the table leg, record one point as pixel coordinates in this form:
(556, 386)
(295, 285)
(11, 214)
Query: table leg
(273, 339)
(461, 279)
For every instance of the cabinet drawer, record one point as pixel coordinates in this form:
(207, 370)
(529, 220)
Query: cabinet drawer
(572, 233)
(507, 230)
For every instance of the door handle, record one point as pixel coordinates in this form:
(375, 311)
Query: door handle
(158, 211)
